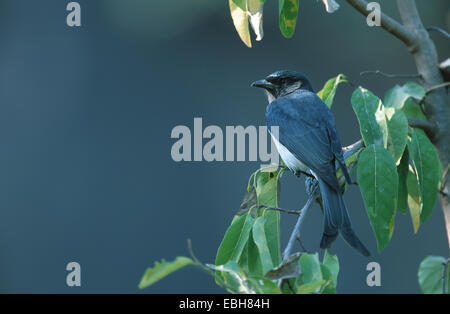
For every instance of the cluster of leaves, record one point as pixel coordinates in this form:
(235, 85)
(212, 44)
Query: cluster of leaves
(245, 12)
(398, 168)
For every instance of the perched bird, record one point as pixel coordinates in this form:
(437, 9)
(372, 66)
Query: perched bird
(308, 140)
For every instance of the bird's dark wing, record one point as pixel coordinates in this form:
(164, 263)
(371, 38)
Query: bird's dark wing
(336, 148)
(304, 134)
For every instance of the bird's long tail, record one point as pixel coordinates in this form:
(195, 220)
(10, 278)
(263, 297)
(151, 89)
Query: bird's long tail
(336, 219)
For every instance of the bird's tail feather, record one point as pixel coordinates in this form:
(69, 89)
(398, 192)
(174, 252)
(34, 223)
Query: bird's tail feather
(336, 219)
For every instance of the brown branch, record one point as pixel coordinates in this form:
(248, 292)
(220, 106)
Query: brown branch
(433, 88)
(427, 126)
(435, 102)
(389, 24)
(438, 29)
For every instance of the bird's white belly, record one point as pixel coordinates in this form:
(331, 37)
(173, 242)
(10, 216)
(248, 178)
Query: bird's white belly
(289, 159)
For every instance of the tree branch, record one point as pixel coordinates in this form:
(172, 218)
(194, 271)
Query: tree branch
(390, 75)
(389, 24)
(438, 29)
(288, 250)
(427, 126)
(436, 106)
(282, 210)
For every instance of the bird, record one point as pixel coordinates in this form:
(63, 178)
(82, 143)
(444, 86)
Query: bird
(308, 139)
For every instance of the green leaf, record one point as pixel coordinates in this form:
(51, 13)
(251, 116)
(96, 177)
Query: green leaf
(308, 288)
(330, 286)
(289, 268)
(310, 269)
(430, 275)
(332, 263)
(426, 166)
(288, 12)
(254, 264)
(259, 236)
(414, 200)
(234, 240)
(242, 4)
(240, 21)
(161, 270)
(402, 171)
(268, 193)
(413, 110)
(329, 89)
(397, 96)
(372, 120)
(234, 278)
(378, 182)
(237, 281)
(397, 125)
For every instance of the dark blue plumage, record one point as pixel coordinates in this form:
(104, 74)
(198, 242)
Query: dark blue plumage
(308, 139)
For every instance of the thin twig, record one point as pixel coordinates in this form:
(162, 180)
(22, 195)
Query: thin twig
(391, 75)
(301, 244)
(287, 211)
(432, 88)
(438, 29)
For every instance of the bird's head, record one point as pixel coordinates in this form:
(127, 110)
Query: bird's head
(283, 82)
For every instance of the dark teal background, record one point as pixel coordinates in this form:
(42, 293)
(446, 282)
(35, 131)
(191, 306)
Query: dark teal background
(85, 120)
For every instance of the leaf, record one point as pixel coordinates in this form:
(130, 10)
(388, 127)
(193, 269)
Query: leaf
(310, 287)
(237, 281)
(253, 263)
(329, 89)
(397, 125)
(240, 21)
(413, 110)
(310, 269)
(398, 95)
(289, 268)
(234, 240)
(233, 277)
(255, 12)
(330, 5)
(378, 182)
(161, 270)
(430, 275)
(414, 202)
(259, 236)
(426, 166)
(402, 171)
(330, 286)
(268, 193)
(372, 121)
(288, 12)
(332, 263)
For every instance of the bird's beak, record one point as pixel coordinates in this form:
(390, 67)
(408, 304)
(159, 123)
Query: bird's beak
(262, 84)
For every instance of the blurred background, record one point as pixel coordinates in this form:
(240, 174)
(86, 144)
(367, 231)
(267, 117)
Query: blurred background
(86, 115)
